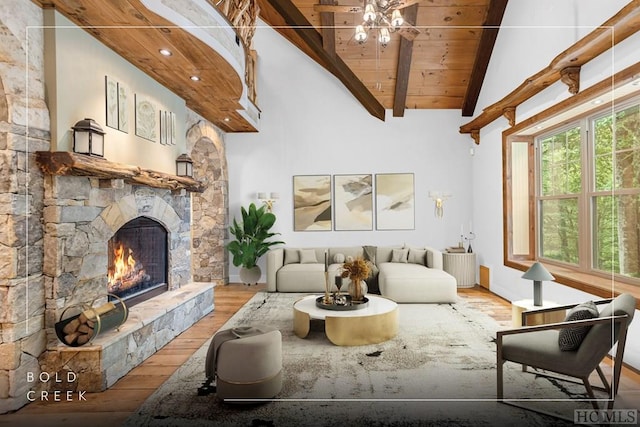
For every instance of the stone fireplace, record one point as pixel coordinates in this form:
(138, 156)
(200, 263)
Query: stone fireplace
(90, 222)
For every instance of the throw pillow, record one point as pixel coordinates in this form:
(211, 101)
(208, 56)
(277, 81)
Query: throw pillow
(399, 255)
(338, 258)
(349, 259)
(308, 256)
(417, 256)
(570, 339)
(291, 256)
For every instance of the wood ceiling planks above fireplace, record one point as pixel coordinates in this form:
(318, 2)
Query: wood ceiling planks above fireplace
(138, 34)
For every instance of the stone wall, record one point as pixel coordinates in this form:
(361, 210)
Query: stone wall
(24, 128)
(210, 208)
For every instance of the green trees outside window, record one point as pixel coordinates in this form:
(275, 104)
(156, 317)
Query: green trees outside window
(589, 192)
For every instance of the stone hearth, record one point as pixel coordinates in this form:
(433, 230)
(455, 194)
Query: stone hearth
(80, 215)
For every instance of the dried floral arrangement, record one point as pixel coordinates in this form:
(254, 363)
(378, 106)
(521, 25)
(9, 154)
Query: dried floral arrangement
(356, 270)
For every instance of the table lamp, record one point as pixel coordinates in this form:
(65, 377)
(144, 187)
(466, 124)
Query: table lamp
(537, 273)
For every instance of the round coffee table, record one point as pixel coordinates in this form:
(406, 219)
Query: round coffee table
(375, 323)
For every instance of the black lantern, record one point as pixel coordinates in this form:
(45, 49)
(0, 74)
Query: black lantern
(184, 165)
(88, 138)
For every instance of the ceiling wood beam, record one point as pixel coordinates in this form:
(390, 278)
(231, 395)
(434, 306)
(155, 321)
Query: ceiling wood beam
(491, 26)
(336, 66)
(327, 20)
(622, 25)
(404, 65)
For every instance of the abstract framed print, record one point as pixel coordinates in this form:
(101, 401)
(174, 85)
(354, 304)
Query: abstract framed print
(395, 201)
(353, 202)
(312, 203)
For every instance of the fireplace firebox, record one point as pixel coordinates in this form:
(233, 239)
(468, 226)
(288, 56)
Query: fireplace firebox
(137, 268)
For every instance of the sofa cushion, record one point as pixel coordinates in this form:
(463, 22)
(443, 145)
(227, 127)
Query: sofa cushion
(291, 256)
(418, 256)
(308, 256)
(339, 258)
(352, 251)
(569, 339)
(416, 283)
(383, 253)
(399, 255)
(306, 277)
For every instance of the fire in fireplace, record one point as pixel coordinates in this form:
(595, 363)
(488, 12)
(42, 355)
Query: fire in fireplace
(137, 268)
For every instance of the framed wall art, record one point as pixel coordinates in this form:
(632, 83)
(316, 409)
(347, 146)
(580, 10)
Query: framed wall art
(353, 202)
(312, 203)
(395, 201)
(146, 118)
(123, 110)
(111, 101)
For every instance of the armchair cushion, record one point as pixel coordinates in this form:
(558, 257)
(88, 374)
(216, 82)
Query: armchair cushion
(569, 339)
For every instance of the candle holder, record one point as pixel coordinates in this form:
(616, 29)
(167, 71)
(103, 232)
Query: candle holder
(471, 237)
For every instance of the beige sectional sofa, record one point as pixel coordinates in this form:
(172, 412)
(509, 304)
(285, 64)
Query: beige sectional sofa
(405, 274)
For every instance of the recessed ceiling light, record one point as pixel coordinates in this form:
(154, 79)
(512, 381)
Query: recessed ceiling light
(596, 101)
(227, 119)
(195, 78)
(165, 52)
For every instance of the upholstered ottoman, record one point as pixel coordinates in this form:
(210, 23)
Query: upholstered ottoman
(415, 283)
(246, 362)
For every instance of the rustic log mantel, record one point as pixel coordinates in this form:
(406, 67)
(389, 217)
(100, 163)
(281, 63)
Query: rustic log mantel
(68, 163)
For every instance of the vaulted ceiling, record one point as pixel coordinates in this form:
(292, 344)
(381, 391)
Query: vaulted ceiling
(440, 67)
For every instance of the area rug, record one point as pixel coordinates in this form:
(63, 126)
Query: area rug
(438, 370)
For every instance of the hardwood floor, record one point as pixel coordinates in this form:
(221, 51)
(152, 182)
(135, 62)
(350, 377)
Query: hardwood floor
(113, 406)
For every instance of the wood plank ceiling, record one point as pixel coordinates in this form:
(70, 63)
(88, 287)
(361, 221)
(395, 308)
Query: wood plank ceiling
(441, 68)
(137, 34)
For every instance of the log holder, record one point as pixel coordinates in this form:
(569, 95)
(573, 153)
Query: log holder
(107, 316)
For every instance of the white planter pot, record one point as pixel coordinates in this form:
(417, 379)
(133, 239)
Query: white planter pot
(250, 276)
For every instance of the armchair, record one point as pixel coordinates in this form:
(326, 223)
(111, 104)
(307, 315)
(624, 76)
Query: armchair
(537, 346)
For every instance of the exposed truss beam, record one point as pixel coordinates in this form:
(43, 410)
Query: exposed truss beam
(336, 66)
(483, 54)
(622, 25)
(327, 20)
(404, 65)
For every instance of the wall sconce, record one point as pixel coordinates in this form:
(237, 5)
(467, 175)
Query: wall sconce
(439, 197)
(184, 165)
(268, 201)
(88, 138)
(537, 273)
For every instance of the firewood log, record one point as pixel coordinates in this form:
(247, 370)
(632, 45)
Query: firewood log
(85, 329)
(83, 339)
(71, 327)
(70, 338)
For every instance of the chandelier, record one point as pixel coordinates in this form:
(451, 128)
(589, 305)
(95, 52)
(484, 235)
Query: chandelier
(382, 16)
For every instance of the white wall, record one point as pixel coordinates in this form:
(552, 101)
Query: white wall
(76, 68)
(311, 125)
(525, 46)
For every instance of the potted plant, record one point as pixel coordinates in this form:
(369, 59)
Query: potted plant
(251, 241)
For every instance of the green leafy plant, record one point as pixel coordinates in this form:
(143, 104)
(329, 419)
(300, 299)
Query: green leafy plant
(251, 236)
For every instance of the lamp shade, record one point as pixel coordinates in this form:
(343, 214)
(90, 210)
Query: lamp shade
(537, 272)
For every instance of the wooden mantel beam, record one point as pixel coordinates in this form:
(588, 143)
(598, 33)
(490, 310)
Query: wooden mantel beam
(336, 66)
(404, 64)
(622, 25)
(68, 163)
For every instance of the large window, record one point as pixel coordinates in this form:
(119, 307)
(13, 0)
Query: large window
(588, 193)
